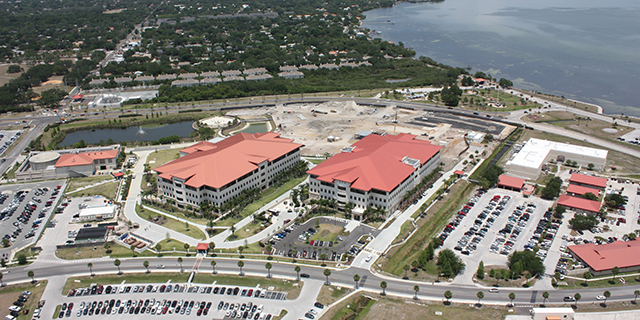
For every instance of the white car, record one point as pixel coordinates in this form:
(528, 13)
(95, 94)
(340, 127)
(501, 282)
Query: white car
(368, 259)
(14, 308)
(160, 266)
(601, 297)
(494, 290)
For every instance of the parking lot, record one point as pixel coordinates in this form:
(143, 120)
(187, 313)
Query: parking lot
(218, 301)
(298, 235)
(8, 137)
(24, 210)
(494, 224)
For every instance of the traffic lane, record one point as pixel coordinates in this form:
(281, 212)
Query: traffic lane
(341, 277)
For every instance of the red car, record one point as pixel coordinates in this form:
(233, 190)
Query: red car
(311, 243)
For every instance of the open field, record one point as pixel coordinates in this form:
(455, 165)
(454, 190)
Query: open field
(330, 294)
(6, 77)
(623, 162)
(386, 308)
(328, 232)
(573, 122)
(76, 183)
(171, 223)
(10, 293)
(564, 101)
(428, 228)
(250, 229)
(160, 157)
(107, 190)
(292, 287)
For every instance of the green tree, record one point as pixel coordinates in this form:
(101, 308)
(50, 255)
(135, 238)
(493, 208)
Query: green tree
(520, 261)
(383, 285)
(607, 295)
(583, 222)
(240, 265)
(406, 268)
(268, 266)
(635, 293)
(356, 278)
(448, 295)
(186, 247)
(90, 265)
(323, 256)
(552, 189)
(2, 284)
(416, 288)
(297, 269)
(180, 262)
(587, 275)
(213, 266)
(512, 296)
(22, 259)
(615, 271)
(212, 247)
(559, 212)
(505, 83)
(480, 295)
(449, 264)
(545, 295)
(480, 271)
(590, 196)
(50, 98)
(577, 296)
(31, 275)
(14, 68)
(117, 263)
(327, 273)
(146, 265)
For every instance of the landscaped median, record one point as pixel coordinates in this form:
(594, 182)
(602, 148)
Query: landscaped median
(292, 288)
(117, 251)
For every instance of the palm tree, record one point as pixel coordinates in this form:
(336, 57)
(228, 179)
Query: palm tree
(512, 296)
(577, 296)
(212, 247)
(117, 263)
(635, 293)
(2, 284)
(545, 295)
(268, 266)
(31, 275)
(297, 269)
(607, 295)
(383, 285)
(90, 265)
(180, 262)
(356, 278)
(406, 268)
(146, 265)
(416, 288)
(213, 266)
(186, 247)
(587, 275)
(323, 257)
(241, 264)
(327, 273)
(480, 295)
(615, 272)
(448, 295)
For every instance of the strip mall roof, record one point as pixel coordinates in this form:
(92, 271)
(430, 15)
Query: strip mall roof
(376, 162)
(621, 254)
(84, 158)
(510, 182)
(227, 160)
(580, 190)
(579, 203)
(588, 180)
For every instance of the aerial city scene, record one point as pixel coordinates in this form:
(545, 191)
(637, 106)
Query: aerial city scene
(332, 160)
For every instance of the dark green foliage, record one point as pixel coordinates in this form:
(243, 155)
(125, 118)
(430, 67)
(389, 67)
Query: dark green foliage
(521, 261)
(491, 174)
(451, 95)
(615, 200)
(505, 83)
(590, 196)
(552, 189)
(449, 264)
(14, 68)
(467, 82)
(582, 222)
(480, 271)
(51, 97)
(559, 211)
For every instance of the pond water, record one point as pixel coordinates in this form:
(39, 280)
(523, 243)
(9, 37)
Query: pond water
(256, 127)
(144, 133)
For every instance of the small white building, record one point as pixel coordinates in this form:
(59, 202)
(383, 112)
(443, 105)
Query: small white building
(535, 153)
(552, 313)
(95, 213)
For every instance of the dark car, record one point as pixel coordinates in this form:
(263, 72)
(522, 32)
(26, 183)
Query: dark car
(319, 305)
(304, 275)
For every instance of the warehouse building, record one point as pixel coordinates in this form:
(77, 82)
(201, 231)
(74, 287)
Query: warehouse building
(601, 259)
(535, 153)
(218, 172)
(375, 171)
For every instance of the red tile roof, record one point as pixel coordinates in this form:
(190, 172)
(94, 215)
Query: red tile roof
(84, 158)
(202, 246)
(118, 174)
(200, 146)
(376, 162)
(230, 159)
(580, 190)
(510, 182)
(579, 203)
(588, 180)
(459, 172)
(621, 254)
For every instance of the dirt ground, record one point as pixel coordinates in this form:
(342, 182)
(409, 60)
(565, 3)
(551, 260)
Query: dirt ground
(333, 125)
(6, 77)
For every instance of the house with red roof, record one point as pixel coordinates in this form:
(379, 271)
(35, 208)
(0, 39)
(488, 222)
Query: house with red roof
(217, 172)
(375, 171)
(601, 259)
(576, 190)
(588, 181)
(509, 182)
(579, 204)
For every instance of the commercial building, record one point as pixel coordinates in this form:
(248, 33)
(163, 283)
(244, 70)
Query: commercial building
(375, 171)
(92, 235)
(576, 190)
(535, 153)
(218, 172)
(601, 259)
(579, 204)
(69, 163)
(97, 213)
(510, 183)
(588, 181)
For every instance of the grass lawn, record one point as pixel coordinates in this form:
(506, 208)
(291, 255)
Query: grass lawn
(428, 228)
(623, 162)
(172, 224)
(330, 294)
(160, 157)
(328, 232)
(76, 183)
(107, 190)
(250, 229)
(605, 283)
(283, 313)
(592, 127)
(292, 287)
(265, 197)
(316, 161)
(387, 308)
(564, 101)
(177, 214)
(10, 293)
(117, 251)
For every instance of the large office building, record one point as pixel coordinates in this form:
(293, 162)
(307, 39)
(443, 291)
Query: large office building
(528, 162)
(375, 171)
(217, 172)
